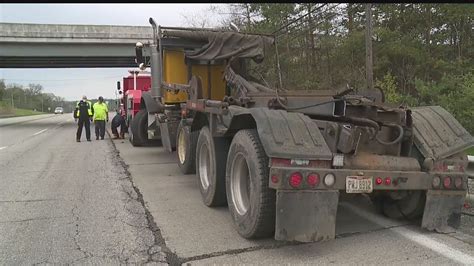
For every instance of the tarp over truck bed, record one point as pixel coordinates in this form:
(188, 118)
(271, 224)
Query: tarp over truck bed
(224, 44)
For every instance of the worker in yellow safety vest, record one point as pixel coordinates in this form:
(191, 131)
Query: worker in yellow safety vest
(101, 114)
(83, 113)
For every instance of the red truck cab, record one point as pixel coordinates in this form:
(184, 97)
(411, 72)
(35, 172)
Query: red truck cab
(132, 95)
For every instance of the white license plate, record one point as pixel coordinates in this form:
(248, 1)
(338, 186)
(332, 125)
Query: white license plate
(359, 184)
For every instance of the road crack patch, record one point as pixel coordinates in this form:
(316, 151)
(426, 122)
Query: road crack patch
(240, 251)
(158, 251)
(77, 234)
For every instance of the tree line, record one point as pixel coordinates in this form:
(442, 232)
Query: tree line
(423, 54)
(29, 97)
(33, 97)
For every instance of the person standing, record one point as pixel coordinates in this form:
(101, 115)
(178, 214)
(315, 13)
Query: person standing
(101, 114)
(83, 112)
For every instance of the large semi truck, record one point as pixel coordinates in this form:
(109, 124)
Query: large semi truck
(279, 159)
(140, 133)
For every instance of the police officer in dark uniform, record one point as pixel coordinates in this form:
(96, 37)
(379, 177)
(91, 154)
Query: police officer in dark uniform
(84, 113)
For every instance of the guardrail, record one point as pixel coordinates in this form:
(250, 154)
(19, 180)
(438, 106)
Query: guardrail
(470, 166)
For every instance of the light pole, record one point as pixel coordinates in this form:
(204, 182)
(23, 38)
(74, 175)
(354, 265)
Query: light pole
(13, 104)
(42, 102)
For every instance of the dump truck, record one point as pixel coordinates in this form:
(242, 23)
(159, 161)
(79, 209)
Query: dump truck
(280, 159)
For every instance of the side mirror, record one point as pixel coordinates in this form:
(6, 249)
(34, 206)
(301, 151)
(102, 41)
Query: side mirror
(118, 85)
(142, 66)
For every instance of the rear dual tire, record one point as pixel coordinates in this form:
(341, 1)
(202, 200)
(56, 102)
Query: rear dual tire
(186, 141)
(251, 202)
(410, 206)
(236, 173)
(211, 157)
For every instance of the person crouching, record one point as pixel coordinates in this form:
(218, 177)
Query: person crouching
(118, 121)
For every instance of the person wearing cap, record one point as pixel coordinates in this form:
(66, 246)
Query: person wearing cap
(101, 114)
(83, 112)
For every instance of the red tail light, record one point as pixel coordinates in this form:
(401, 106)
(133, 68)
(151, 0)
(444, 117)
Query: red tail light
(275, 179)
(295, 179)
(447, 182)
(313, 179)
(388, 181)
(378, 181)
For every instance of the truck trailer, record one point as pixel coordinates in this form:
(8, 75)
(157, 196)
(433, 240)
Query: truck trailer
(279, 159)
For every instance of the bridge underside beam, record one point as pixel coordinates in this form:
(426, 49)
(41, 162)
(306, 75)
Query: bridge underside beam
(64, 55)
(66, 62)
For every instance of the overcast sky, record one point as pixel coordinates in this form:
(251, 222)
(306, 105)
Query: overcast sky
(71, 83)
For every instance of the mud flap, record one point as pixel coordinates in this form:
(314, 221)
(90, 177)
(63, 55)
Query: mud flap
(168, 134)
(442, 211)
(306, 216)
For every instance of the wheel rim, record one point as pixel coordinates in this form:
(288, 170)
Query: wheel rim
(240, 184)
(181, 146)
(204, 165)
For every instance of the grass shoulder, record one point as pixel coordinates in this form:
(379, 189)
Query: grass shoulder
(7, 111)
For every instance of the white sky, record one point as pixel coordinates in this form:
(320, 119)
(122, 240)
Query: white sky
(72, 83)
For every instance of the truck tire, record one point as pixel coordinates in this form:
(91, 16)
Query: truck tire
(410, 206)
(211, 157)
(251, 202)
(186, 141)
(138, 135)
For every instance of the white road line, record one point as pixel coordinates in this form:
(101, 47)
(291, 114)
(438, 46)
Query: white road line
(39, 132)
(421, 239)
(1, 148)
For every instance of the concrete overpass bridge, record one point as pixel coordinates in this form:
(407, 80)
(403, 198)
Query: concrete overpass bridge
(64, 46)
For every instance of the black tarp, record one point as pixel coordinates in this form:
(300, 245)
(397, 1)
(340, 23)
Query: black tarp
(224, 45)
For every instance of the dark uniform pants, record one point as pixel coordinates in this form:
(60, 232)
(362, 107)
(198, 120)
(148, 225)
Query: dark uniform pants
(121, 124)
(83, 122)
(100, 128)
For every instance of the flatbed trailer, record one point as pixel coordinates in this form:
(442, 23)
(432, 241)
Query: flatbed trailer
(280, 159)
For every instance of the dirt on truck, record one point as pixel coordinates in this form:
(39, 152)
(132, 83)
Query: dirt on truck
(278, 158)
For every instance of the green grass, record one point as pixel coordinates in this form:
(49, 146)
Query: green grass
(24, 112)
(7, 111)
(470, 151)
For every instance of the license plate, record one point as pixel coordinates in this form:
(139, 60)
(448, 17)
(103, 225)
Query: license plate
(359, 184)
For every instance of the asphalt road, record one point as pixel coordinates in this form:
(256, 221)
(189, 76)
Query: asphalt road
(65, 202)
(106, 202)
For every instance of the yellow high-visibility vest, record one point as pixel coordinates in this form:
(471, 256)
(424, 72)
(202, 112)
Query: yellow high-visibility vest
(101, 111)
(89, 110)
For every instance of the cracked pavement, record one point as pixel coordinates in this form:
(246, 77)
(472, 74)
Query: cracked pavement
(63, 202)
(106, 202)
